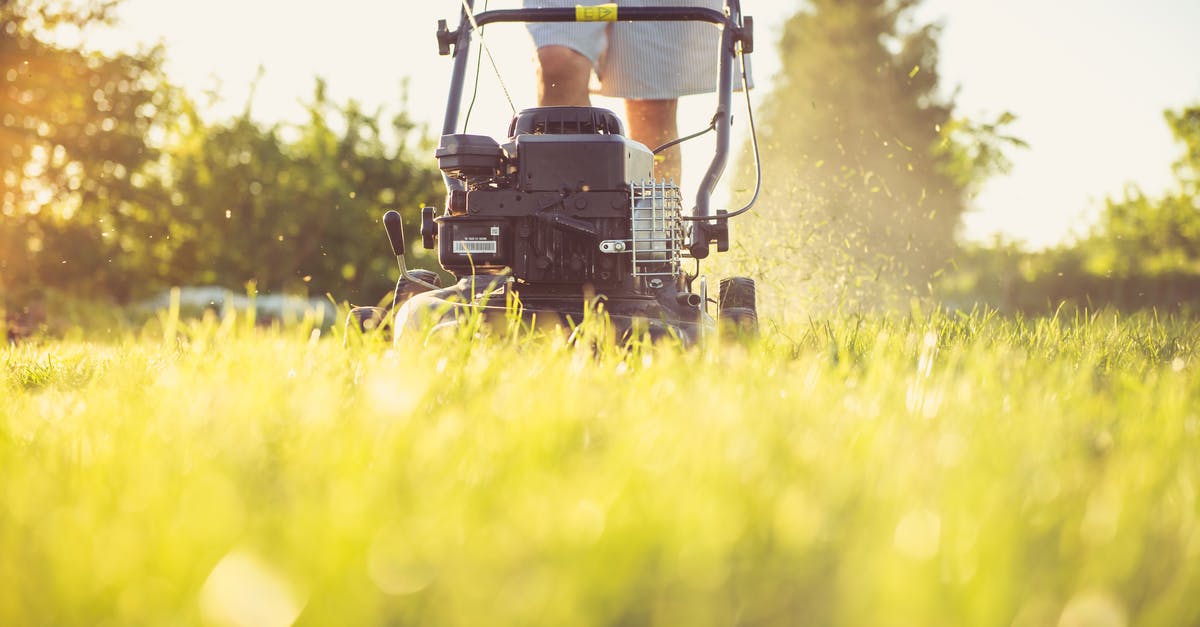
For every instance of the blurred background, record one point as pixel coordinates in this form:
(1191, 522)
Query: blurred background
(1016, 154)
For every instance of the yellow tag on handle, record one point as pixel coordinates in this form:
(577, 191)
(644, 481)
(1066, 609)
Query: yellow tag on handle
(598, 13)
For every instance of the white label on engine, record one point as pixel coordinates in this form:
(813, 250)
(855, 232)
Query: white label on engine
(474, 247)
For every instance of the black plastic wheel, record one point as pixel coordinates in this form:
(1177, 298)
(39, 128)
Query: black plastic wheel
(737, 314)
(738, 323)
(737, 291)
(367, 319)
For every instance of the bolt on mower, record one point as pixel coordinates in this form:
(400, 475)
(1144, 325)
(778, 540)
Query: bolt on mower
(566, 212)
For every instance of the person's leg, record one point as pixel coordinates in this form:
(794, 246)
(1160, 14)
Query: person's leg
(652, 122)
(566, 54)
(563, 76)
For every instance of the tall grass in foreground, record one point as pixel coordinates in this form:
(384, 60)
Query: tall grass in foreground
(923, 470)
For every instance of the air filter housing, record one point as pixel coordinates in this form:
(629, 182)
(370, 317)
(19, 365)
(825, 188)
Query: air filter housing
(566, 121)
(469, 156)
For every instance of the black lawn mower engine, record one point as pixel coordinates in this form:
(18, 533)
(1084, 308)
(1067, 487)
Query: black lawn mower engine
(567, 206)
(566, 213)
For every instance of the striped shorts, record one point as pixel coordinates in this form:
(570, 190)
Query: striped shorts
(641, 60)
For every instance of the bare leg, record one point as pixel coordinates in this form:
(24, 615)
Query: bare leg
(652, 122)
(563, 77)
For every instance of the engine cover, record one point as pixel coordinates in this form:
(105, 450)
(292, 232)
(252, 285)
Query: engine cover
(580, 162)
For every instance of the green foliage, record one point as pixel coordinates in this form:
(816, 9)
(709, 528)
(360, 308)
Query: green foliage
(77, 139)
(973, 152)
(932, 469)
(1004, 275)
(112, 185)
(1185, 126)
(1141, 236)
(1142, 253)
(292, 207)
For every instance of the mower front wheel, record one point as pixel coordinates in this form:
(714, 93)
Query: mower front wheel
(365, 321)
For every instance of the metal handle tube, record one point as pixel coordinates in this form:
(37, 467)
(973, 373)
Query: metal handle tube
(724, 101)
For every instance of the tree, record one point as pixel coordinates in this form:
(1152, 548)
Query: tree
(864, 164)
(1185, 126)
(294, 214)
(1143, 252)
(1140, 235)
(112, 185)
(76, 137)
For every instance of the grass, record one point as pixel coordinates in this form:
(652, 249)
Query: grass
(929, 469)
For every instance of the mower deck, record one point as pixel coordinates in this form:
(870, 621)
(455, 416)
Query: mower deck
(489, 298)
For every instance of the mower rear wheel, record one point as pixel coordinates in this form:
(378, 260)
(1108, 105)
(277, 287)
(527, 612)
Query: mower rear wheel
(737, 313)
(737, 291)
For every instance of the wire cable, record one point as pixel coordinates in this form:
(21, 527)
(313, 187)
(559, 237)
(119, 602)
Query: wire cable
(495, 68)
(475, 87)
(712, 126)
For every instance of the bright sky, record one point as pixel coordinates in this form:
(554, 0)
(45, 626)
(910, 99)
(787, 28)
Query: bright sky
(1088, 80)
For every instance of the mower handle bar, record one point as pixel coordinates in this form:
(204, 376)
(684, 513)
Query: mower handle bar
(622, 14)
(731, 33)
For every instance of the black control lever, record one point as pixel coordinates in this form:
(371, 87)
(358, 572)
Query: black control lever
(394, 226)
(395, 231)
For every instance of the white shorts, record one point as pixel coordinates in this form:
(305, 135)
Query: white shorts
(641, 60)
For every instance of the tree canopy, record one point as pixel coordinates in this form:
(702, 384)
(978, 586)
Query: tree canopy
(112, 184)
(77, 130)
(292, 207)
(1142, 252)
(1140, 235)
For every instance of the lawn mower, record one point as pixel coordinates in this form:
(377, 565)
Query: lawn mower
(566, 214)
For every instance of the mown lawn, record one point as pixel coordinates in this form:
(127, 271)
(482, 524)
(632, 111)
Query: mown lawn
(931, 469)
